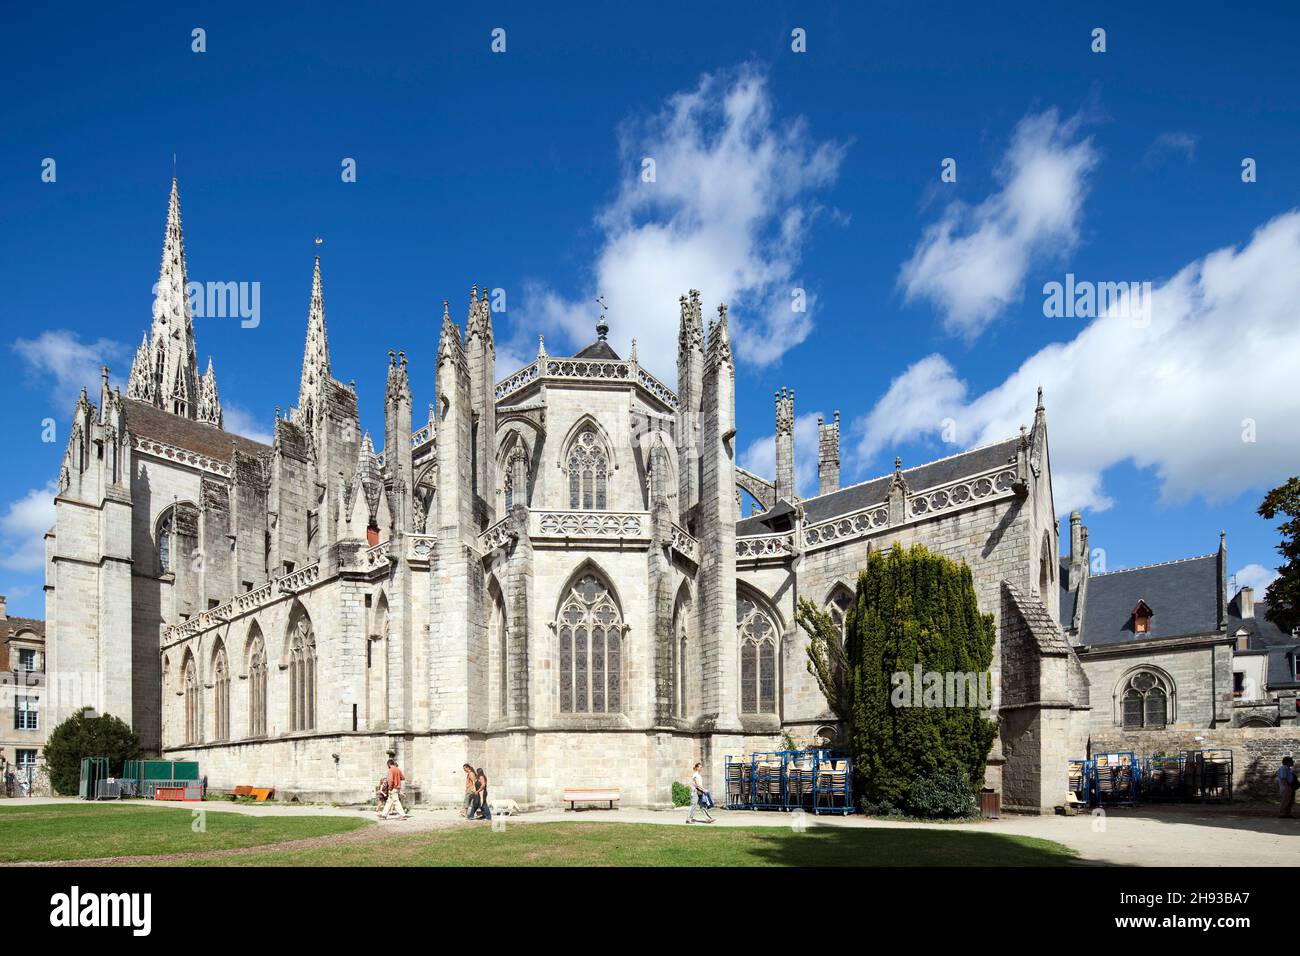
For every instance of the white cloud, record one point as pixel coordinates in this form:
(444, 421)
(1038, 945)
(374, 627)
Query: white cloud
(1182, 393)
(1255, 576)
(728, 213)
(972, 263)
(241, 421)
(61, 356)
(760, 455)
(1167, 144)
(24, 523)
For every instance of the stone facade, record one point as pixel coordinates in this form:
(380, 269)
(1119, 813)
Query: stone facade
(550, 578)
(23, 702)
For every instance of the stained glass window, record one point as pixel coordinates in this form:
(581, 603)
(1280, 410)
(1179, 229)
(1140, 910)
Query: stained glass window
(591, 649)
(588, 473)
(758, 639)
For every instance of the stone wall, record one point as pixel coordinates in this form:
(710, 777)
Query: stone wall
(1257, 752)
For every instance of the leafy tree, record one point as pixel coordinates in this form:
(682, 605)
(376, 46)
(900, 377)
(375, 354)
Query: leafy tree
(1283, 595)
(911, 608)
(82, 735)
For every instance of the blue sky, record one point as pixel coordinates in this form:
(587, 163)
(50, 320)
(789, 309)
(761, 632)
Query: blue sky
(774, 171)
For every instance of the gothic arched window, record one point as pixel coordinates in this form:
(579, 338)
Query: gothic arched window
(177, 522)
(191, 679)
(221, 694)
(678, 646)
(302, 673)
(590, 629)
(1144, 702)
(758, 642)
(256, 684)
(838, 605)
(588, 472)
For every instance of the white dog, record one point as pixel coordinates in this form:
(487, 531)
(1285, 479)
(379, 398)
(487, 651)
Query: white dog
(504, 808)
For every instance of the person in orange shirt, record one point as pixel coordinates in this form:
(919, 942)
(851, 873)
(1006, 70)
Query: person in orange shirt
(395, 778)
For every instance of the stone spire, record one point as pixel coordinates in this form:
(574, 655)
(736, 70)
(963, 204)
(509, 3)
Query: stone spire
(719, 352)
(315, 355)
(449, 344)
(172, 362)
(209, 403)
(140, 385)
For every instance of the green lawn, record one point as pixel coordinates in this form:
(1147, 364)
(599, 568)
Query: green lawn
(631, 844)
(82, 831)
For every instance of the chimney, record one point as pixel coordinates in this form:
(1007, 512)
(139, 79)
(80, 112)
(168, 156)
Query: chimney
(3, 614)
(1245, 602)
(1076, 535)
(1079, 563)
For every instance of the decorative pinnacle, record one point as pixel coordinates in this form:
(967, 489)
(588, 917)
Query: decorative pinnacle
(602, 325)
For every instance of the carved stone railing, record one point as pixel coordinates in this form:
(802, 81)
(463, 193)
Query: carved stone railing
(684, 544)
(591, 370)
(848, 526)
(375, 557)
(497, 535)
(254, 599)
(918, 506)
(243, 604)
(960, 493)
(517, 381)
(160, 449)
(764, 546)
(656, 388)
(419, 546)
(422, 435)
(299, 580)
(590, 524)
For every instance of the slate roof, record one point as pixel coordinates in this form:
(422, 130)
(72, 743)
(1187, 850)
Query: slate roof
(146, 421)
(873, 492)
(599, 349)
(1264, 635)
(1183, 597)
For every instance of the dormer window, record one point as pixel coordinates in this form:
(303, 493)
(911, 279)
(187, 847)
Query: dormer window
(1142, 618)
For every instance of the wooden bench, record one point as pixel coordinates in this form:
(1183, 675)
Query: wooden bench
(260, 794)
(575, 795)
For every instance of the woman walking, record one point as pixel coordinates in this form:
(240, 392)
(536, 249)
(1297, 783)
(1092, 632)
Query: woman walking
(700, 799)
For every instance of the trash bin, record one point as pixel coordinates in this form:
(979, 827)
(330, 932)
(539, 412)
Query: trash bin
(990, 804)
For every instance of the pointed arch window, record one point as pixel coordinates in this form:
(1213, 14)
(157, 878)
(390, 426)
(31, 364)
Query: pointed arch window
(758, 641)
(1145, 702)
(256, 685)
(590, 629)
(302, 674)
(191, 679)
(588, 472)
(221, 694)
(838, 605)
(681, 619)
(499, 643)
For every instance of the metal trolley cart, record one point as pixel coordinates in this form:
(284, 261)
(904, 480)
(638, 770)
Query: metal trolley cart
(813, 780)
(740, 782)
(1162, 778)
(1116, 778)
(1079, 776)
(1207, 775)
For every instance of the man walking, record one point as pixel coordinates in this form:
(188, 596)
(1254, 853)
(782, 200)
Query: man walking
(1286, 786)
(698, 796)
(395, 778)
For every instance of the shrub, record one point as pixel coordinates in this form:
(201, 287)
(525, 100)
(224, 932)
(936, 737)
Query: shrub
(941, 795)
(681, 794)
(84, 736)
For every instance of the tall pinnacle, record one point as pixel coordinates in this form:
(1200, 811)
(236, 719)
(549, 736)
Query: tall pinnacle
(316, 352)
(174, 366)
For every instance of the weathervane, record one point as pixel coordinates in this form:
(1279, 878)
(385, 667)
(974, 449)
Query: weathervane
(602, 326)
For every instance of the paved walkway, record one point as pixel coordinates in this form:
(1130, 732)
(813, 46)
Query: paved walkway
(1239, 835)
